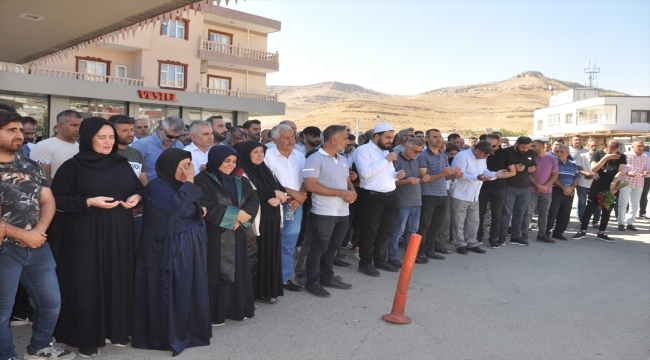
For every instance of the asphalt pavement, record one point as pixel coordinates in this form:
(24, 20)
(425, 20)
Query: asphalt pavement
(579, 299)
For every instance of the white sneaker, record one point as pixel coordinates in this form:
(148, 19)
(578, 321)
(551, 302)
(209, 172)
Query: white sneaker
(49, 352)
(356, 257)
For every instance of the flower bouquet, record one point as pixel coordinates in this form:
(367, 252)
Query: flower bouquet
(606, 199)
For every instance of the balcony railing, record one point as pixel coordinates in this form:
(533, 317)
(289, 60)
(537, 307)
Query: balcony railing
(62, 74)
(239, 51)
(237, 93)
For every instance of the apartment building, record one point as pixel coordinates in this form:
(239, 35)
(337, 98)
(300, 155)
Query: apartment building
(195, 65)
(584, 112)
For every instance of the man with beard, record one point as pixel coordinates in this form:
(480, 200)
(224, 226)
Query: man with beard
(219, 129)
(164, 138)
(29, 130)
(252, 130)
(586, 179)
(125, 127)
(311, 136)
(374, 163)
(517, 190)
(53, 152)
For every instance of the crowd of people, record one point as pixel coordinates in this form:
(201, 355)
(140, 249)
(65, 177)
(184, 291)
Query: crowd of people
(118, 231)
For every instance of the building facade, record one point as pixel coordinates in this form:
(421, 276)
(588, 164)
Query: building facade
(199, 64)
(584, 112)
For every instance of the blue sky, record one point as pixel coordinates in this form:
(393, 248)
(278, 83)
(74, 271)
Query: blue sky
(409, 47)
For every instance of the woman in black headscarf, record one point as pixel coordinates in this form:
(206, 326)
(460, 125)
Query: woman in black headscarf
(268, 278)
(96, 189)
(171, 281)
(231, 205)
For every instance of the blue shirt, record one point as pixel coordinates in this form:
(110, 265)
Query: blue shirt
(151, 148)
(567, 172)
(434, 165)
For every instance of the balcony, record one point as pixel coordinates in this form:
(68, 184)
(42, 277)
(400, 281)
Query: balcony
(62, 74)
(238, 94)
(238, 57)
(597, 115)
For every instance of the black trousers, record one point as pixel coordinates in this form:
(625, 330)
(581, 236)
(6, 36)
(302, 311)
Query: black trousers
(379, 217)
(559, 212)
(433, 220)
(592, 204)
(643, 204)
(496, 198)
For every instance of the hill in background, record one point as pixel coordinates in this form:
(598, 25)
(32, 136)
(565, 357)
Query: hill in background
(507, 104)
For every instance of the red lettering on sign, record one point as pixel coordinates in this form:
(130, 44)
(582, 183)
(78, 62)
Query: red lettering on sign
(156, 95)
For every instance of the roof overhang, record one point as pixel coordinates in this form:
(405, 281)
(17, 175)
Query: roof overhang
(60, 24)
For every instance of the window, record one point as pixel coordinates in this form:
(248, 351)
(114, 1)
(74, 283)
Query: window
(639, 116)
(219, 82)
(95, 107)
(95, 69)
(220, 37)
(540, 124)
(174, 28)
(121, 71)
(553, 120)
(568, 119)
(173, 75)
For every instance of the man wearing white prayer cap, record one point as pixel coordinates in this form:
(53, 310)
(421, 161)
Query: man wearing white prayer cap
(374, 162)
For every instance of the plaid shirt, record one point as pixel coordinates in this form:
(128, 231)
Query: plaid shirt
(434, 165)
(638, 163)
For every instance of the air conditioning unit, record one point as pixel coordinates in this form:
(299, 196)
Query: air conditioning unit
(204, 66)
(581, 113)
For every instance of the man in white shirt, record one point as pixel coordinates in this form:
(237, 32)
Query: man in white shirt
(583, 160)
(202, 138)
(287, 164)
(464, 195)
(576, 148)
(375, 169)
(51, 153)
(142, 129)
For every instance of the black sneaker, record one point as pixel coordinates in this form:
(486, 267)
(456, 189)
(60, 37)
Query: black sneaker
(396, 263)
(19, 320)
(49, 352)
(341, 263)
(493, 244)
(369, 270)
(462, 250)
(524, 238)
(579, 235)
(631, 227)
(559, 236)
(291, 286)
(501, 241)
(421, 259)
(88, 352)
(335, 283)
(621, 228)
(546, 239)
(317, 289)
(384, 265)
(520, 242)
(604, 237)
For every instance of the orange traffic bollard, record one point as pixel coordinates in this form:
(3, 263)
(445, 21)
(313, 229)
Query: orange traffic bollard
(399, 303)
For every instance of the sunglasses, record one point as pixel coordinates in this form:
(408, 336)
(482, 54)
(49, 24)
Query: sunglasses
(171, 137)
(415, 151)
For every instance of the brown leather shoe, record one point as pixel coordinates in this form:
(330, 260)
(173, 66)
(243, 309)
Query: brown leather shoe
(442, 250)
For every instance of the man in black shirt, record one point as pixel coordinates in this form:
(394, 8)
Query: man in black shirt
(517, 190)
(609, 166)
(494, 192)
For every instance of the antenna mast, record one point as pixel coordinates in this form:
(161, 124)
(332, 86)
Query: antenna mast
(591, 72)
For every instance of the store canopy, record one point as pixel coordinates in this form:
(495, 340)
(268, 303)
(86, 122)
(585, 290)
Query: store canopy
(31, 30)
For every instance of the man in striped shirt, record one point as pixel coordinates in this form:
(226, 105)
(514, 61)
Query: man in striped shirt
(562, 196)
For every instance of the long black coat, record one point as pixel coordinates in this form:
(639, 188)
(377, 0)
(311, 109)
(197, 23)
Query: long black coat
(220, 220)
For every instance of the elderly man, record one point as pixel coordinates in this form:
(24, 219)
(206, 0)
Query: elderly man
(587, 177)
(165, 137)
(562, 197)
(377, 184)
(517, 190)
(235, 136)
(287, 165)
(404, 136)
(541, 191)
(142, 129)
(434, 221)
(465, 193)
(252, 129)
(635, 171)
(327, 177)
(219, 129)
(409, 198)
(202, 137)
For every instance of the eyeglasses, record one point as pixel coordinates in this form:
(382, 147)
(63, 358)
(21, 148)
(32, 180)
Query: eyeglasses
(411, 135)
(415, 151)
(170, 137)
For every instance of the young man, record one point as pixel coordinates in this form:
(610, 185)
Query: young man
(635, 171)
(219, 129)
(562, 197)
(252, 130)
(576, 148)
(53, 152)
(311, 138)
(327, 177)
(541, 191)
(124, 126)
(25, 256)
(587, 177)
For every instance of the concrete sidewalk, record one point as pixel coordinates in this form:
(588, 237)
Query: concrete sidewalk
(583, 299)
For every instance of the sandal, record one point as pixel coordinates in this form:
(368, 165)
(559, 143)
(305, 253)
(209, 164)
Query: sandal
(270, 301)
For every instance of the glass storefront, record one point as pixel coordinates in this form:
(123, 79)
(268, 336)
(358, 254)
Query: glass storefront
(98, 108)
(36, 106)
(202, 114)
(157, 113)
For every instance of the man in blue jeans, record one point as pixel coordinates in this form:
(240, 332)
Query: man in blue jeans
(517, 190)
(25, 257)
(583, 161)
(409, 197)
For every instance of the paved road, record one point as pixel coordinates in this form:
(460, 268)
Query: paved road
(582, 299)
